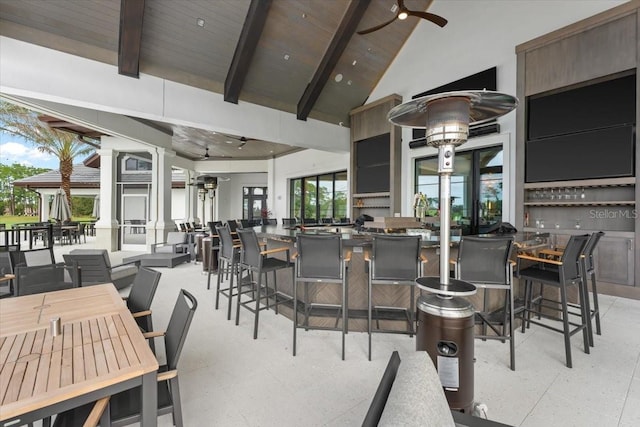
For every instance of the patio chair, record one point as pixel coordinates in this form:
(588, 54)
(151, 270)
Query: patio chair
(46, 278)
(141, 296)
(96, 268)
(124, 407)
(177, 242)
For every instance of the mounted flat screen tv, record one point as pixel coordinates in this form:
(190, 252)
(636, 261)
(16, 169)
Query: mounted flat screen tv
(602, 153)
(586, 132)
(373, 162)
(594, 106)
(483, 80)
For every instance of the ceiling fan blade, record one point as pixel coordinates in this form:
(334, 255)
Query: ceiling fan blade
(436, 19)
(377, 27)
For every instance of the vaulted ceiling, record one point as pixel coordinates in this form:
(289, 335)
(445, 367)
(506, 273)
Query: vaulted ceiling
(298, 56)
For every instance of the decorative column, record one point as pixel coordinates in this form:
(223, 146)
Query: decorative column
(160, 222)
(107, 226)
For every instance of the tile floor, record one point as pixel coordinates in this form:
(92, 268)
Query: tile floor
(229, 379)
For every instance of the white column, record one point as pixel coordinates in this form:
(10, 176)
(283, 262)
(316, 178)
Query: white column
(160, 222)
(107, 225)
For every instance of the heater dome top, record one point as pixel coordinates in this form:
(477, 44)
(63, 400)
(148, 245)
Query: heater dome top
(484, 105)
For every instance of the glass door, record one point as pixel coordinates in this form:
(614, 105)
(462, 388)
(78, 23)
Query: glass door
(134, 215)
(476, 189)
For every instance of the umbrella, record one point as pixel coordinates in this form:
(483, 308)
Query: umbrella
(96, 207)
(60, 210)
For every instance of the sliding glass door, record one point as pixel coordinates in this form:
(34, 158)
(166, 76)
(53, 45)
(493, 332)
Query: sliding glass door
(476, 188)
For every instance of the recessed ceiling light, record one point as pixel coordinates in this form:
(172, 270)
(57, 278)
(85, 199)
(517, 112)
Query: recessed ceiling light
(355, 61)
(403, 15)
(200, 22)
(304, 15)
(286, 57)
(349, 82)
(338, 78)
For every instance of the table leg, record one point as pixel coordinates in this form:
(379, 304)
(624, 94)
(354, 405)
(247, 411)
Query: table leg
(149, 390)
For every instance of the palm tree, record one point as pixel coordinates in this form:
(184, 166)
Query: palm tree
(65, 146)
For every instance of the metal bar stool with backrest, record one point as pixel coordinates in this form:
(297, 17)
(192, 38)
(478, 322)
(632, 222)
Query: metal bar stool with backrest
(561, 274)
(320, 260)
(228, 264)
(393, 261)
(485, 262)
(589, 272)
(257, 262)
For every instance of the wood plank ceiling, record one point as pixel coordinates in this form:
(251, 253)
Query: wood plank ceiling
(298, 56)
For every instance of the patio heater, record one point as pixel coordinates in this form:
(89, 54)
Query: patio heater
(210, 184)
(445, 319)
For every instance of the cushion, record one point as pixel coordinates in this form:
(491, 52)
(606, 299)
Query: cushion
(417, 398)
(174, 237)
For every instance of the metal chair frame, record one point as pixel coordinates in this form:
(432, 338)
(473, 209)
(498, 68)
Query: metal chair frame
(560, 274)
(326, 265)
(490, 268)
(256, 263)
(393, 261)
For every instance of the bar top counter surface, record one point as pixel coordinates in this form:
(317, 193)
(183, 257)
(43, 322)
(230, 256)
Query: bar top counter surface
(353, 237)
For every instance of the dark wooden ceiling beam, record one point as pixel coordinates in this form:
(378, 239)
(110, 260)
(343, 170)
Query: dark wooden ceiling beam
(131, 13)
(338, 44)
(246, 47)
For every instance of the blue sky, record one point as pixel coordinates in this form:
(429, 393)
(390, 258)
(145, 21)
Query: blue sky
(14, 149)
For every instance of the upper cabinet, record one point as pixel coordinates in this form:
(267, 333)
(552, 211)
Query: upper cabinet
(376, 155)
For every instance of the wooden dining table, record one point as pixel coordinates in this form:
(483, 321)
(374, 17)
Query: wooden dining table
(99, 351)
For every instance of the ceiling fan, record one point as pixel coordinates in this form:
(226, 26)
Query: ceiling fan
(402, 14)
(243, 140)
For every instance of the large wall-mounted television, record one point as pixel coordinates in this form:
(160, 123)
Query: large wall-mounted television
(483, 80)
(584, 132)
(594, 106)
(373, 163)
(602, 153)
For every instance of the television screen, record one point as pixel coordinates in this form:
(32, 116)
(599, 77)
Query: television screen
(373, 159)
(599, 105)
(602, 153)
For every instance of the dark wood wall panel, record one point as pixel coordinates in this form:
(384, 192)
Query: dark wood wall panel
(597, 52)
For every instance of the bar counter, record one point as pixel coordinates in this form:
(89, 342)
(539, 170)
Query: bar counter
(358, 243)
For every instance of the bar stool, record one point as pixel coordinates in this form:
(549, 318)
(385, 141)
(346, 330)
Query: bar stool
(228, 264)
(320, 260)
(485, 262)
(589, 272)
(257, 263)
(393, 261)
(560, 274)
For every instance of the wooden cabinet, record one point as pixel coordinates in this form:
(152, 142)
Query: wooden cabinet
(375, 160)
(597, 49)
(614, 260)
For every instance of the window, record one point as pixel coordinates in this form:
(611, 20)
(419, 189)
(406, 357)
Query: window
(476, 188)
(254, 202)
(321, 196)
(136, 164)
